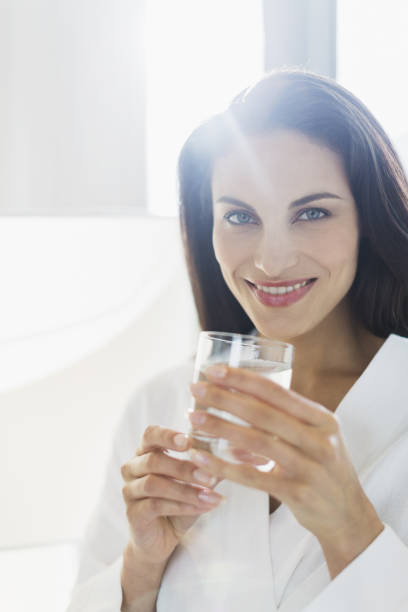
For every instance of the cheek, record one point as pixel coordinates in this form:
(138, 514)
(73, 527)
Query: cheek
(229, 254)
(337, 251)
(345, 250)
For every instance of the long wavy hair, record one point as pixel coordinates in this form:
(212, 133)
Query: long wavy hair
(321, 109)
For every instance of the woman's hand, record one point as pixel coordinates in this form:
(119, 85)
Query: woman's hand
(162, 495)
(313, 475)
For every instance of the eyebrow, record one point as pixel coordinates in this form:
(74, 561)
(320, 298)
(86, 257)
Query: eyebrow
(312, 197)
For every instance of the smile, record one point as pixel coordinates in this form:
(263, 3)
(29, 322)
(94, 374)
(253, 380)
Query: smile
(281, 296)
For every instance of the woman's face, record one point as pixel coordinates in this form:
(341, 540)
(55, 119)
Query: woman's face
(294, 220)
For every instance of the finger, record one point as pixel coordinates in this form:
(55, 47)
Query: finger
(244, 474)
(258, 442)
(157, 462)
(268, 391)
(159, 486)
(144, 512)
(260, 414)
(155, 436)
(247, 457)
(275, 482)
(287, 490)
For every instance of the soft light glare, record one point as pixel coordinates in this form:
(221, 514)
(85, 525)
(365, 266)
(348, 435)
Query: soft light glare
(371, 61)
(199, 56)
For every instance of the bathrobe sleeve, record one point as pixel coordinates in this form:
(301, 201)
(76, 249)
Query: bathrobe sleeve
(376, 580)
(98, 583)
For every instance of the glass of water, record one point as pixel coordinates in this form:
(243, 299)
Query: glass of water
(269, 358)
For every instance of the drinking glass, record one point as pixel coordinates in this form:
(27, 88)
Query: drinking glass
(269, 358)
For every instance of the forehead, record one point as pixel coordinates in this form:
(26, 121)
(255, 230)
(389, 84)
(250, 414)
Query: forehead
(282, 162)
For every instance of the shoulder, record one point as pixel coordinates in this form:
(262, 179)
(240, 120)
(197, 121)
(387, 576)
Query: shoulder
(398, 341)
(396, 348)
(388, 369)
(162, 399)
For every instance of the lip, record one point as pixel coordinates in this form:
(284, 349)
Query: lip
(281, 300)
(280, 283)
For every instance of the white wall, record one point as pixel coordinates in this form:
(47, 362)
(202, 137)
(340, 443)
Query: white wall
(72, 106)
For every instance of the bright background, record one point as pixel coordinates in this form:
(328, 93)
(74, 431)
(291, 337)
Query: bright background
(95, 294)
(97, 99)
(372, 52)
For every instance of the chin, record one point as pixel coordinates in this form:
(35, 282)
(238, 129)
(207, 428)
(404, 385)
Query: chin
(283, 332)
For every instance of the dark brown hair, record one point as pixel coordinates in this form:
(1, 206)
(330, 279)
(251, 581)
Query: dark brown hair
(323, 110)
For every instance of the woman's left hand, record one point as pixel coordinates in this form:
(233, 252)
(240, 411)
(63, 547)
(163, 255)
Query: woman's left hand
(313, 474)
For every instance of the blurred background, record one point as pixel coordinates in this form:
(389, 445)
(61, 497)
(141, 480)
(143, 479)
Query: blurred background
(96, 100)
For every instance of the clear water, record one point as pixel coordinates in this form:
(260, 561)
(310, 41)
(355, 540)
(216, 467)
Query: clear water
(278, 372)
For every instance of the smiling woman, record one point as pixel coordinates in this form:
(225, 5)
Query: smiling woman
(236, 152)
(294, 219)
(281, 244)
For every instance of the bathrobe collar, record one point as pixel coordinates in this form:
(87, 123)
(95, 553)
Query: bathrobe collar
(224, 563)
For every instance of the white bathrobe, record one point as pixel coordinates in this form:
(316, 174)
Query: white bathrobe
(239, 558)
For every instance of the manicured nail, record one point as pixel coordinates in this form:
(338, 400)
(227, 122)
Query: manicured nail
(198, 389)
(209, 497)
(199, 457)
(205, 478)
(197, 417)
(180, 440)
(218, 371)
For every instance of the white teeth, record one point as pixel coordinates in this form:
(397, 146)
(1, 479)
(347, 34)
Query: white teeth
(280, 290)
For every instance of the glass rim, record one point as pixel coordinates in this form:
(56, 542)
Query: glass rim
(248, 337)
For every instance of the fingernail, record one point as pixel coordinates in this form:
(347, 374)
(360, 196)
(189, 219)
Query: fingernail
(197, 418)
(180, 440)
(218, 371)
(210, 497)
(242, 454)
(199, 457)
(204, 478)
(198, 389)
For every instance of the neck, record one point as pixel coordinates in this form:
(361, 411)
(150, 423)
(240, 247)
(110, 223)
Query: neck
(338, 348)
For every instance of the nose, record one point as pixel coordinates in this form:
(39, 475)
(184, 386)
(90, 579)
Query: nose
(275, 254)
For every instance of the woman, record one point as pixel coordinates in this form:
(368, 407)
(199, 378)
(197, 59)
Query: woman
(294, 215)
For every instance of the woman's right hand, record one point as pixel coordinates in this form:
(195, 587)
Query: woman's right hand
(162, 495)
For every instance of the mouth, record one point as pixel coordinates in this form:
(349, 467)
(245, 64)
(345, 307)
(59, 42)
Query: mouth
(281, 294)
